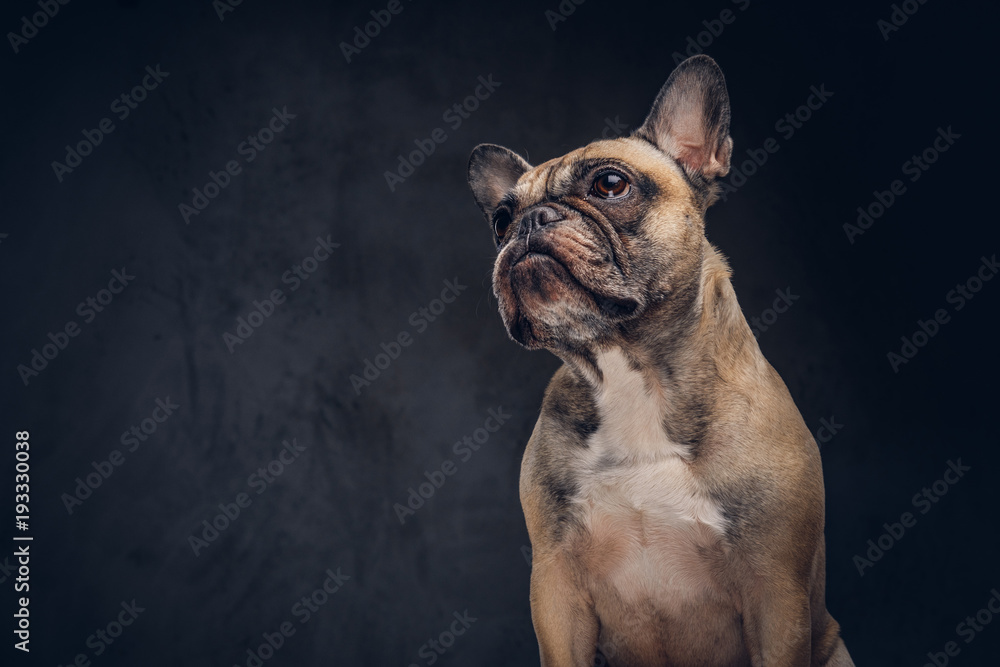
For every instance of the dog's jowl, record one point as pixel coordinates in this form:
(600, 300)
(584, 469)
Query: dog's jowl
(672, 492)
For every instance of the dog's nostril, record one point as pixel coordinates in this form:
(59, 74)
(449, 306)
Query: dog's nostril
(539, 217)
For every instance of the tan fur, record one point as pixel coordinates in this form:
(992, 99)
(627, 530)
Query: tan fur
(726, 588)
(682, 593)
(672, 492)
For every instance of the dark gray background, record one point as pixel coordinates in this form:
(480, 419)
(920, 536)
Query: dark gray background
(324, 176)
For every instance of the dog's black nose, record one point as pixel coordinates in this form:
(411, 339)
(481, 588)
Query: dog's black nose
(537, 218)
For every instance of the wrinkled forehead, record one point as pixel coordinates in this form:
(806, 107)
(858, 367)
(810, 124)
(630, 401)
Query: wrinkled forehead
(559, 177)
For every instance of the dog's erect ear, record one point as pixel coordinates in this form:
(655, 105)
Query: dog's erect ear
(493, 171)
(689, 120)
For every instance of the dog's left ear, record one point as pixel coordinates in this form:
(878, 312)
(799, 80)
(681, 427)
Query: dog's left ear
(689, 120)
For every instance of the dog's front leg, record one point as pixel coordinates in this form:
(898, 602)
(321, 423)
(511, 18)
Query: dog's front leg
(777, 625)
(562, 613)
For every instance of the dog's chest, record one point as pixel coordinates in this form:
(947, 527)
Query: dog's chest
(647, 536)
(649, 532)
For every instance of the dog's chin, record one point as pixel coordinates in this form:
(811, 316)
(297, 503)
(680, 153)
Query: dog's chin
(544, 306)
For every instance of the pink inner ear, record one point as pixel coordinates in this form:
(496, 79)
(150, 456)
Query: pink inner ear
(687, 134)
(698, 157)
(690, 155)
(690, 146)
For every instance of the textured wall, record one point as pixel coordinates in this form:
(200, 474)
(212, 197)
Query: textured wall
(359, 452)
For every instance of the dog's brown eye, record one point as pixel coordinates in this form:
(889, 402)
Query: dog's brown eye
(610, 185)
(501, 221)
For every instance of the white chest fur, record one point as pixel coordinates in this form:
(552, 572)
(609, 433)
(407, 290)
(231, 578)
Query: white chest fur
(646, 518)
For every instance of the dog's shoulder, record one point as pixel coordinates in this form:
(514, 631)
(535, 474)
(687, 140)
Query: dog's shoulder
(548, 480)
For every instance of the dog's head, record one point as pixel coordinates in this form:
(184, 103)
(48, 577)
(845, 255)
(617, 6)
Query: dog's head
(591, 241)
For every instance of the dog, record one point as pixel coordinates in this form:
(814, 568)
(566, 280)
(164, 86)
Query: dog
(672, 491)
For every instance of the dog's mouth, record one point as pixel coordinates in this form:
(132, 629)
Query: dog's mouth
(550, 272)
(563, 287)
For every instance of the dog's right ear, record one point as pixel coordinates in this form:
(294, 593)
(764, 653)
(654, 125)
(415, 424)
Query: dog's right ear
(493, 171)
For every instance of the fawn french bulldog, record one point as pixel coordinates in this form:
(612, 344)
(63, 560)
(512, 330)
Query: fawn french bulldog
(672, 492)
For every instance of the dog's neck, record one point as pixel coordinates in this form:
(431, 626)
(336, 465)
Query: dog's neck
(665, 370)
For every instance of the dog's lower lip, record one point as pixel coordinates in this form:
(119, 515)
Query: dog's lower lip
(609, 306)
